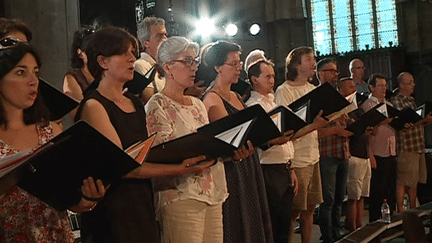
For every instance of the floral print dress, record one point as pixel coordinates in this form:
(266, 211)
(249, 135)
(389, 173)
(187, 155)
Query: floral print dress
(171, 120)
(25, 218)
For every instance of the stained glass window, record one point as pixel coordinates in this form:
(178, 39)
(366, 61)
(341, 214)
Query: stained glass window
(351, 25)
(363, 18)
(342, 26)
(387, 25)
(321, 27)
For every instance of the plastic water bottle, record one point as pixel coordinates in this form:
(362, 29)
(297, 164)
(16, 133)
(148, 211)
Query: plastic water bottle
(385, 212)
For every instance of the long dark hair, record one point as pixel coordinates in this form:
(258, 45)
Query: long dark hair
(81, 38)
(108, 41)
(9, 58)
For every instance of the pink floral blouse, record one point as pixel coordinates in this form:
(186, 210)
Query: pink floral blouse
(170, 120)
(25, 218)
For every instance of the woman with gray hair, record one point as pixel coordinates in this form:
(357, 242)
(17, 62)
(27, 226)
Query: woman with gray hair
(189, 207)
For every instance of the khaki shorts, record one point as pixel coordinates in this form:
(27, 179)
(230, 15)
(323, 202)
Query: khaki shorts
(309, 190)
(411, 169)
(359, 176)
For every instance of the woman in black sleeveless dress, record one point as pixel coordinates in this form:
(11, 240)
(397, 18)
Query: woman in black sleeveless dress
(126, 213)
(246, 216)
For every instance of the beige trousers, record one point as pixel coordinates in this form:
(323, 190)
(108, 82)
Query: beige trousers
(191, 221)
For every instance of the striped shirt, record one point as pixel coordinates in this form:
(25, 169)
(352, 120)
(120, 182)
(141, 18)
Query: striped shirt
(383, 144)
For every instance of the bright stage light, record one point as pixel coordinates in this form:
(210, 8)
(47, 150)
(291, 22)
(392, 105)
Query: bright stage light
(255, 29)
(231, 29)
(205, 27)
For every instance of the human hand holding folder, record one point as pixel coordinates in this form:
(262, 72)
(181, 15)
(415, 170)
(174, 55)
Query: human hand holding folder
(220, 139)
(287, 136)
(61, 166)
(243, 152)
(92, 192)
(196, 165)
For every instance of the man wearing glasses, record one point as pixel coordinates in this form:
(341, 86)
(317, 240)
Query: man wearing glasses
(327, 71)
(334, 155)
(410, 146)
(382, 145)
(357, 68)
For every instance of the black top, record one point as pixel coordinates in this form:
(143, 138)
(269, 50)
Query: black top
(130, 127)
(126, 214)
(80, 78)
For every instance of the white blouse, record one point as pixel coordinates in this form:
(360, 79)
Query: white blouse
(171, 120)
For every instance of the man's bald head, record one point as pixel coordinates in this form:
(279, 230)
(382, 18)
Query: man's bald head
(356, 68)
(406, 83)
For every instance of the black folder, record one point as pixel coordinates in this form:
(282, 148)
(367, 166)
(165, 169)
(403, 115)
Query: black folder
(140, 82)
(360, 98)
(241, 87)
(263, 129)
(392, 112)
(58, 103)
(324, 97)
(405, 116)
(369, 119)
(256, 126)
(286, 118)
(56, 173)
(424, 109)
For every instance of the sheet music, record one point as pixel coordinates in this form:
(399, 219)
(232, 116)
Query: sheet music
(234, 135)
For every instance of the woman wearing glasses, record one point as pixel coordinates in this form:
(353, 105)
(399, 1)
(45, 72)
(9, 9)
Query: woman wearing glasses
(126, 213)
(24, 124)
(188, 206)
(246, 215)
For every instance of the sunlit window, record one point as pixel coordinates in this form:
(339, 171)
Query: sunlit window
(350, 25)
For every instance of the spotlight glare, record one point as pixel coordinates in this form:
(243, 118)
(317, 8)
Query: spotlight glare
(231, 29)
(254, 29)
(205, 27)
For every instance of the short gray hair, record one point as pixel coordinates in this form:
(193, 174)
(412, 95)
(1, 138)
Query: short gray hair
(144, 27)
(171, 48)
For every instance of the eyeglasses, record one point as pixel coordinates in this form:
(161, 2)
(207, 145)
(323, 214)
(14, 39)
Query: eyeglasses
(188, 61)
(411, 83)
(235, 63)
(9, 42)
(333, 71)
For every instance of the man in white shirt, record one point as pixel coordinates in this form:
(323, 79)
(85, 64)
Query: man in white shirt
(299, 69)
(151, 32)
(280, 179)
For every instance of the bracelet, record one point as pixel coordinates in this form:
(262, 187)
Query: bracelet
(88, 209)
(91, 199)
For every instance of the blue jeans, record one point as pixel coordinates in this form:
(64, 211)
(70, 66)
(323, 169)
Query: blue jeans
(334, 176)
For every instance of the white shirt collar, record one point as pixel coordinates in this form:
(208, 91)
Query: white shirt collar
(148, 58)
(269, 98)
